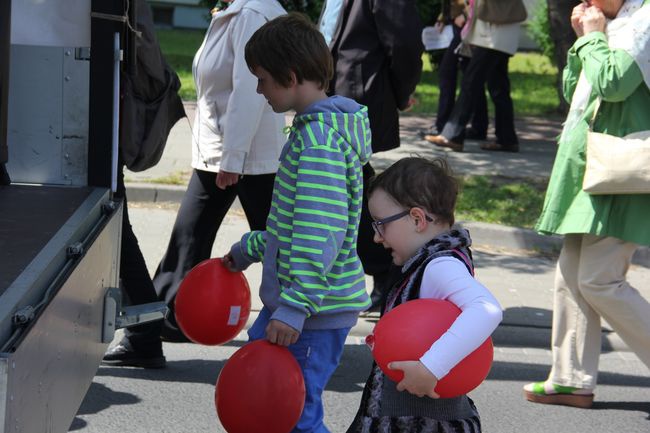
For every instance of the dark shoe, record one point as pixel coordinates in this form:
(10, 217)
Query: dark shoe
(473, 134)
(431, 131)
(441, 141)
(122, 356)
(500, 147)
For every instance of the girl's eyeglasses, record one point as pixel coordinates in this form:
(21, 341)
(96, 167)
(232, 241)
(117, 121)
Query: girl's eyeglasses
(378, 225)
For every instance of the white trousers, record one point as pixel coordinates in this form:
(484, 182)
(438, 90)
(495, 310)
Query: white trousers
(590, 284)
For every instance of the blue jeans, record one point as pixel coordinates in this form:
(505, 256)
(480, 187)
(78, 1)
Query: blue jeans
(318, 352)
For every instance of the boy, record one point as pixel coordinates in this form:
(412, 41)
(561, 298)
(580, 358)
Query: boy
(313, 285)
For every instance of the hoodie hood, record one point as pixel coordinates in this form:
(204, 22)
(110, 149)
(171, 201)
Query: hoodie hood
(346, 117)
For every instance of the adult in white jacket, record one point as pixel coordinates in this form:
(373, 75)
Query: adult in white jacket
(236, 144)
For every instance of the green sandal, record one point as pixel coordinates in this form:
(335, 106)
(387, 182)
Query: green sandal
(550, 393)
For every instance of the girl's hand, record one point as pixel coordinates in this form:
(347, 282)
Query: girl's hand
(576, 18)
(593, 20)
(418, 380)
(280, 333)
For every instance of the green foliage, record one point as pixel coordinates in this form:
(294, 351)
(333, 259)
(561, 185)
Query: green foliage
(539, 29)
(501, 201)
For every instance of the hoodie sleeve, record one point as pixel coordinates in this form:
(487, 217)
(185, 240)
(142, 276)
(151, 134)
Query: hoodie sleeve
(320, 221)
(400, 31)
(249, 250)
(245, 106)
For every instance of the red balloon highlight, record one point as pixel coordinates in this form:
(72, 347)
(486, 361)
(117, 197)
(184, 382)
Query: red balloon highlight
(260, 389)
(212, 304)
(408, 331)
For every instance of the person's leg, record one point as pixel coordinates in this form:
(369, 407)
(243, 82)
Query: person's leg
(479, 122)
(255, 193)
(575, 339)
(202, 210)
(473, 82)
(376, 259)
(603, 269)
(141, 345)
(447, 78)
(576, 332)
(498, 84)
(318, 353)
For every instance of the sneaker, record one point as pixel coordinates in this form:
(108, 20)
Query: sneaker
(123, 356)
(550, 393)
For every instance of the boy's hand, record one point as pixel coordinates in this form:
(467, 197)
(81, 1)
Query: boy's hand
(229, 262)
(418, 380)
(280, 333)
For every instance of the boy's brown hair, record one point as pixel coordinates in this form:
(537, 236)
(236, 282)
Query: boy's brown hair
(419, 182)
(291, 43)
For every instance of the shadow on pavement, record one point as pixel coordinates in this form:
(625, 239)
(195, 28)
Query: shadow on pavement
(511, 263)
(519, 371)
(98, 398)
(186, 371)
(632, 406)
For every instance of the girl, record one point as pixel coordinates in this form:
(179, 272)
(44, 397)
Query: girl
(412, 206)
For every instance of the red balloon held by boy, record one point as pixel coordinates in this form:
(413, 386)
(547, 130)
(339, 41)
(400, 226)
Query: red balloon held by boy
(260, 389)
(213, 303)
(406, 332)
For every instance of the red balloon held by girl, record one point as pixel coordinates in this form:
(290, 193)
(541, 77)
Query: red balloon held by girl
(406, 332)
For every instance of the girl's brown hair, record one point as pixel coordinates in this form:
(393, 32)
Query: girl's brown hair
(419, 182)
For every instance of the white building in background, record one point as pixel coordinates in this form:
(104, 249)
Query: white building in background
(184, 14)
(190, 14)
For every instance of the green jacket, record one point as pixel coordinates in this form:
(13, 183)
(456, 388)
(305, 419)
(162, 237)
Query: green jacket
(625, 108)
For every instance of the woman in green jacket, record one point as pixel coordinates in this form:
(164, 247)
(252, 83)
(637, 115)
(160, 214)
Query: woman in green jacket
(608, 70)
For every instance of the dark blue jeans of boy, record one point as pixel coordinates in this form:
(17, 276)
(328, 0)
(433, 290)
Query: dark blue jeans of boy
(318, 352)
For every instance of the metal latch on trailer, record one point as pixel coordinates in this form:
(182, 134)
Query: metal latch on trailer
(117, 317)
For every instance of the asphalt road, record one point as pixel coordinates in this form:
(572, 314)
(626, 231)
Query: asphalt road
(180, 398)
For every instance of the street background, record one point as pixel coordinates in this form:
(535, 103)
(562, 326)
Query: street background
(516, 264)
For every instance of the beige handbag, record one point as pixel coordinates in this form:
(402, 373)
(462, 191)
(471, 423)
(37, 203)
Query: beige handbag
(617, 165)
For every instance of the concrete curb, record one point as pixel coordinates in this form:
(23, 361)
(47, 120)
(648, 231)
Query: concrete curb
(494, 235)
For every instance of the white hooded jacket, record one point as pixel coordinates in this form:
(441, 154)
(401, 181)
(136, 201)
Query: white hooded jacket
(235, 129)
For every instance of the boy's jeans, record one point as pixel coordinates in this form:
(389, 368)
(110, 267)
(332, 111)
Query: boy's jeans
(318, 352)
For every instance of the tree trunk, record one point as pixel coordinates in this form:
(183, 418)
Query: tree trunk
(559, 18)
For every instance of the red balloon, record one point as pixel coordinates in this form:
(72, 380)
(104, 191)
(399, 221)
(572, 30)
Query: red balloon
(408, 331)
(212, 304)
(260, 389)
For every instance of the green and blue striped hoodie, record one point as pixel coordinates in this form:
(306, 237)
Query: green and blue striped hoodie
(312, 277)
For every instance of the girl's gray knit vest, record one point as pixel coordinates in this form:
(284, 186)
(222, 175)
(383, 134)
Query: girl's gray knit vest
(383, 408)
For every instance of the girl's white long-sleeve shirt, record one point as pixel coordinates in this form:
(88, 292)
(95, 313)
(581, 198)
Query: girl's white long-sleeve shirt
(447, 278)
